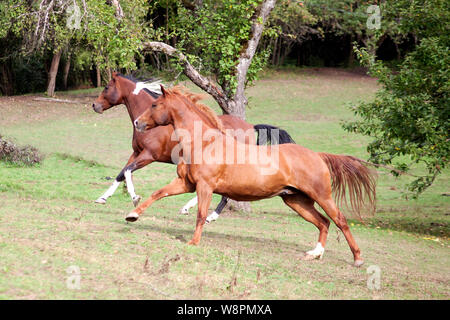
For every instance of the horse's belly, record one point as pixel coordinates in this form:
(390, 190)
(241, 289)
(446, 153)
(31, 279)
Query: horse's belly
(245, 185)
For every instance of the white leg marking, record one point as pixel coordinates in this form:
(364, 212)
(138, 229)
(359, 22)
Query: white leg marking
(317, 251)
(130, 186)
(212, 217)
(108, 192)
(187, 206)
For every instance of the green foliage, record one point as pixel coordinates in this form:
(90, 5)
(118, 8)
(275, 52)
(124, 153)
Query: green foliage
(292, 21)
(410, 115)
(341, 17)
(213, 36)
(101, 39)
(115, 43)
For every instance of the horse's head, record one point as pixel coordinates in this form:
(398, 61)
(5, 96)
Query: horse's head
(111, 96)
(156, 115)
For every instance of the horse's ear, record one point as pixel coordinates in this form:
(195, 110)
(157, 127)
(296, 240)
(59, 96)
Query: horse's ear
(163, 91)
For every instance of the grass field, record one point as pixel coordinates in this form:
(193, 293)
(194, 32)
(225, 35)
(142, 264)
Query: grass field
(49, 222)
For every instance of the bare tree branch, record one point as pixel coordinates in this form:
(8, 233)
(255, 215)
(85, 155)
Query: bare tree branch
(204, 83)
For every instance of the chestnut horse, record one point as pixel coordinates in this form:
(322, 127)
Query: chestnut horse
(301, 177)
(156, 144)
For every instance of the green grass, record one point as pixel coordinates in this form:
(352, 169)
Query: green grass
(48, 220)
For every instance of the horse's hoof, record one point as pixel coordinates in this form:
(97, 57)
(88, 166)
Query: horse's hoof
(192, 243)
(132, 217)
(136, 200)
(358, 263)
(100, 200)
(212, 217)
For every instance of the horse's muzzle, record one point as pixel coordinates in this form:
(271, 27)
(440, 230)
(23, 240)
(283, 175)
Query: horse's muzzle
(97, 107)
(140, 126)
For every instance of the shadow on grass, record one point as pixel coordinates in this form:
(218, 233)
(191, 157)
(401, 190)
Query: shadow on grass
(184, 235)
(420, 226)
(420, 223)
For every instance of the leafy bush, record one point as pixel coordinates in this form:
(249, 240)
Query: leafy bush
(410, 115)
(19, 155)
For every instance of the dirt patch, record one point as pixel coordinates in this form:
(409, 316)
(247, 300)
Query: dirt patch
(21, 109)
(24, 109)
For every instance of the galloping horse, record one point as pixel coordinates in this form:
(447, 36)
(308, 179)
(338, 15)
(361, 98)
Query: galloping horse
(156, 144)
(301, 177)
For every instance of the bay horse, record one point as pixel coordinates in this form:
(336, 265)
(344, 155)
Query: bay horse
(301, 177)
(156, 144)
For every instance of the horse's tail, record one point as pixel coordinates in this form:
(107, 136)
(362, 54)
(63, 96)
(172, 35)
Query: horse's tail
(350, 173)
(277, 135)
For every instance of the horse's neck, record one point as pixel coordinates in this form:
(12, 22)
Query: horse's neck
(186, 119)
(131, 100)
(135, 109)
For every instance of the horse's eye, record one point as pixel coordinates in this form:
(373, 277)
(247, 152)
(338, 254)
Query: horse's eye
(153, 105)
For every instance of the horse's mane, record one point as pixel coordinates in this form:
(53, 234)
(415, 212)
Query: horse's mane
(149, 85)
(192, 99)
(134, 79)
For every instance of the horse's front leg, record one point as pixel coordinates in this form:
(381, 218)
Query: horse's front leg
(204, 194)
(143, 159)
(177, 186)
(102, 199)
(187, 206)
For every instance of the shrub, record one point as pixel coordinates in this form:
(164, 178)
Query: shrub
(19, 155)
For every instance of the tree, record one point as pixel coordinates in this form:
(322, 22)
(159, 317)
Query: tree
(409, 117)
(110, 32)
(222, 37)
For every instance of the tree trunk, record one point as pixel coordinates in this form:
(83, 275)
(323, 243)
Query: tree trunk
(66, 71)
(274, 52)
(53, 72)
(6, 82)
(351, 55)
(99, 77)
(109, 74)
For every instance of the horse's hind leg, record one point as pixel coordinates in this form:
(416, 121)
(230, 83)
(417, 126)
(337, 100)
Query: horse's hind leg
(304, 206)
(102, 199)
(215, 214)
(329, 206)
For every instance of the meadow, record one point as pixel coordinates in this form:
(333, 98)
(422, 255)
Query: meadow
(49, 221)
